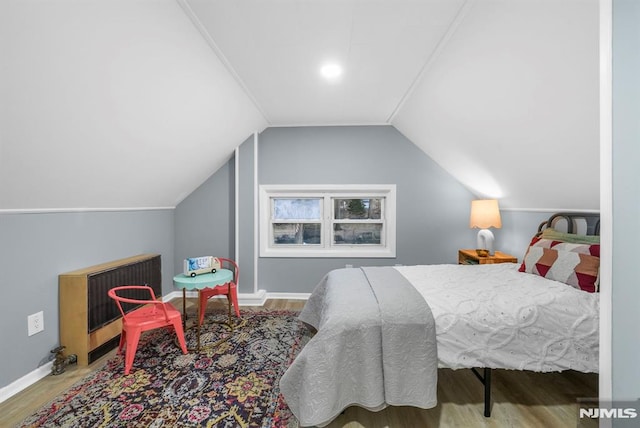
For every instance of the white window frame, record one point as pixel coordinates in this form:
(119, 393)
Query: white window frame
(326, 248)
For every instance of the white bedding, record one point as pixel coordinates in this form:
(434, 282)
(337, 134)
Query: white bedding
(494, 316)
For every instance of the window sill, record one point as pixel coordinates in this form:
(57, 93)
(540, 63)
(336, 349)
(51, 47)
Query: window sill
(349, 252)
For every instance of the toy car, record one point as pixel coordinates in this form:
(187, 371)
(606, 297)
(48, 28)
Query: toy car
(198, 265)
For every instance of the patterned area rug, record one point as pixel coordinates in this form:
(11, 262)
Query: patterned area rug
(231, 384)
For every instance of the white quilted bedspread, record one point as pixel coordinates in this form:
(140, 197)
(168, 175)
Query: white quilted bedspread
(375, 346)
(494, 316)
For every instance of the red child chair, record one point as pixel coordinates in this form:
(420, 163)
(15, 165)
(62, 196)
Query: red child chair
(229, 289)
(155, 314)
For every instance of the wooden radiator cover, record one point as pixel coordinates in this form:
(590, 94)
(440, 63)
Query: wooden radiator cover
(90, 323)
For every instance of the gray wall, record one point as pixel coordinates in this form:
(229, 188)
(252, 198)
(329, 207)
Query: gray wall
(518, 227)
(204, 220)
(626, 200)
(432, 207)
(36, 248)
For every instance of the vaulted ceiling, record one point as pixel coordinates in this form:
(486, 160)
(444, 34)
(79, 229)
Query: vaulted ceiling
(277, 48)
(133, 103)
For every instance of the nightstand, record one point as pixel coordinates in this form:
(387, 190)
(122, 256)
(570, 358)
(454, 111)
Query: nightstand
(470, 257)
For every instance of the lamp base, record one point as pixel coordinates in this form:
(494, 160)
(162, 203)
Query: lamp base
(485, 240)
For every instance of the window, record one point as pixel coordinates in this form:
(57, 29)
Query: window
(327, 221)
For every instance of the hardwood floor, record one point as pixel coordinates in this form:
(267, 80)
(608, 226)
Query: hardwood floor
(520, 399)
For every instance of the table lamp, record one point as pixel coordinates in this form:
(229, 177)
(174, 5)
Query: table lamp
(485, 213)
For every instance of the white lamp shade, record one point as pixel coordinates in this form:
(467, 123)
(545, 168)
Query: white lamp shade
(485, 213)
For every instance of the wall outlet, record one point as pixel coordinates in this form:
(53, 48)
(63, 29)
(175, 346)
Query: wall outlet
(35, 323)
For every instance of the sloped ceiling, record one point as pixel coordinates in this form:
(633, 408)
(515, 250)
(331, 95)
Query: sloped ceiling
(132, 103)
(511, 106)
(111, 104)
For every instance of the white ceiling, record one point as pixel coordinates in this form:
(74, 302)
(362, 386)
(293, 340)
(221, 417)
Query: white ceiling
(134, 103)
(511, 105)
(493, 90)
(111, 104)
(276, 48)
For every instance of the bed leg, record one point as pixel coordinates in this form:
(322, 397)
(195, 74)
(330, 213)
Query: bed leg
(485, 378)
(487, 392)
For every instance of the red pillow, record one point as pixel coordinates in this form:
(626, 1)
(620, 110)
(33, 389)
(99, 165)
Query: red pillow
(577, 265)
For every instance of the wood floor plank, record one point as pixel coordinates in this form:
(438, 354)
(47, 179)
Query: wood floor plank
(520, 399)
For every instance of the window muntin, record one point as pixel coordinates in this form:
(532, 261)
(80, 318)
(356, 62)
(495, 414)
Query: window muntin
(327, 221)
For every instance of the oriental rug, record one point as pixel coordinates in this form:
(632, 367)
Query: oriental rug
(230, 384)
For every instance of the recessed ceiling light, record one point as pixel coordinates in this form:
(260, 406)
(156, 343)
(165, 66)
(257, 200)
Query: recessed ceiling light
(331, 71)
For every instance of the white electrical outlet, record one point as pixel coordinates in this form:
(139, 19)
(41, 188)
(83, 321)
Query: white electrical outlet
(35, 323)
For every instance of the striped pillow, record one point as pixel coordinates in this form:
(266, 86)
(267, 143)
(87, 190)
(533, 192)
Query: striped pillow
(553, 234)
(577, 265)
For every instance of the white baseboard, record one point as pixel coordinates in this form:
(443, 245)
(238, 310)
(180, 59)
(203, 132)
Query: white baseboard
(25, 381)
(252, 299)
(244, 299)
(290, 296)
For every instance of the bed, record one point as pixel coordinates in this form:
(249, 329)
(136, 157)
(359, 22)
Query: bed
(383, 332)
